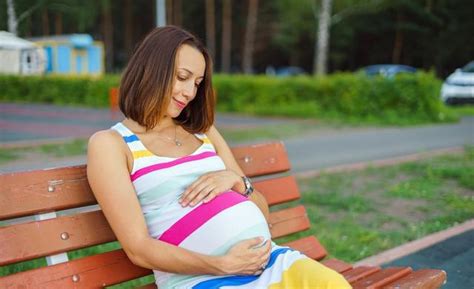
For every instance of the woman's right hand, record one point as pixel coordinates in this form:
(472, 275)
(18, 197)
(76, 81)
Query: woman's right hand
(245, 259)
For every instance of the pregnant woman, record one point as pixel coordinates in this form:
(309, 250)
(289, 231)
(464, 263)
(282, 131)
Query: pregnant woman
(170, 188)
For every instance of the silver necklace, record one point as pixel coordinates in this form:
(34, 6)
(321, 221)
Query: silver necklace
(176, 141)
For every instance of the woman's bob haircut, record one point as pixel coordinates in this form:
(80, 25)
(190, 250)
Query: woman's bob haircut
(147, 82)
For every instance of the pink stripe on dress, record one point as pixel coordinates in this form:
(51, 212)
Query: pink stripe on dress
(199, 216)
(160, 166)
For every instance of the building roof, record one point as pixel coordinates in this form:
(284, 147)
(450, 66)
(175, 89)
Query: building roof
(11, 41)
(77, 40)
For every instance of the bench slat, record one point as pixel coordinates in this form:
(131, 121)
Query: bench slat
(95, 271)
(38, 191)
(420, 279)
(279, 190)
(32, 192)
(382, 278)
(262, 159)
(337, 265)
(288, 221)
(42, 238)
(358, 273)
(91, 228)
(309, 246)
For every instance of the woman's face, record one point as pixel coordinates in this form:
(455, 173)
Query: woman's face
(190, 68)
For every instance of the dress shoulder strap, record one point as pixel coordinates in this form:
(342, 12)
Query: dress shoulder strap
(203, 137)
(131, 139)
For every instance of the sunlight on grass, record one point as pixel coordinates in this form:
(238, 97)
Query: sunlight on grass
(358, 214)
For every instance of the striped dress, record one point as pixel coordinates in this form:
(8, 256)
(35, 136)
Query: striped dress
(211, 228)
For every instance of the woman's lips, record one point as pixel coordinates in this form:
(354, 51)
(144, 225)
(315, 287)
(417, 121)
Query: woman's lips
(179, 103)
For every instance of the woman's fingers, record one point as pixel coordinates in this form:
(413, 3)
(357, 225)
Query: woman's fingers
(250, 257)
(197, 195)
(193, 190)
(207, 187)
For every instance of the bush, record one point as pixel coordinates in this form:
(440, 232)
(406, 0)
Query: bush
(409, 98)
(86, 91)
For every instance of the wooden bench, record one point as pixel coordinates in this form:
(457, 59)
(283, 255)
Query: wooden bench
(45, 193)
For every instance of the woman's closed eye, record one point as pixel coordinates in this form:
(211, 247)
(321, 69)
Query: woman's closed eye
(182, 78)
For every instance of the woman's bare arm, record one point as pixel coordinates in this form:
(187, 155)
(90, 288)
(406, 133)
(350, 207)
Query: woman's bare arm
(109, 179)
(225, 153)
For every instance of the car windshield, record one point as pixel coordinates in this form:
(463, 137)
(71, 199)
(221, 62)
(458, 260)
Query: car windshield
(469, 67)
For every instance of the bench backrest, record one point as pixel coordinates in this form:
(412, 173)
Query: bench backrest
(64, 216)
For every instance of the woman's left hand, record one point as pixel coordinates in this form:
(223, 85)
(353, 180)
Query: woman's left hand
(208, 186)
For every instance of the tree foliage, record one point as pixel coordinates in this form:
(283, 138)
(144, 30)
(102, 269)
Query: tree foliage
(428, 34)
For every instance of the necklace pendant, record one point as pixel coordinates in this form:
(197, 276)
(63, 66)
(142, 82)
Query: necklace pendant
(178, 143)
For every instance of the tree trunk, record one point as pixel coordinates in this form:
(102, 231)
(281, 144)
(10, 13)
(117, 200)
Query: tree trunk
(321, 60)
(12, 20)
(58, 23)
(226, 36)
(161, 12)
(128, 22)
(177, 17)
(247, 61)
(169, 12)
(398, 44)
(429, 6)
(211, 27)
(45, 21)
(28, 26)
(107, 32)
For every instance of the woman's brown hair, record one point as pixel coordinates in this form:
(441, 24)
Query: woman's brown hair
(147, 82)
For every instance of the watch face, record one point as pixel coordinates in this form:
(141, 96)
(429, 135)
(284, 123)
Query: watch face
(248, 186)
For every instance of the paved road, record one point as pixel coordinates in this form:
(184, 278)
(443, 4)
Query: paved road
(454, 255)
(316, 152)
(30, 123)
(26, 123)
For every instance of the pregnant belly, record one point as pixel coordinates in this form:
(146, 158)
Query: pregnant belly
(214, 227)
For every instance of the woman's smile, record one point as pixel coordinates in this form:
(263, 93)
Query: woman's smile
(180, 104)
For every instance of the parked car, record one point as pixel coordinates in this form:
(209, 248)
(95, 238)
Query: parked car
(387, 70)
(459, 86)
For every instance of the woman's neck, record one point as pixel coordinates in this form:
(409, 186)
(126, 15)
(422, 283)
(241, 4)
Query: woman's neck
(164, 124)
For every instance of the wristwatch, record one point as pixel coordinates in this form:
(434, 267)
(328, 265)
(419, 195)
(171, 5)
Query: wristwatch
(248, 187)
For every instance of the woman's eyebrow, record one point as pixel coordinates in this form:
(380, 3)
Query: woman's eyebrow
(190, 72)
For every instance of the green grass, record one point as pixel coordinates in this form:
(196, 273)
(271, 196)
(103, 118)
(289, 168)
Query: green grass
(268, 132)
(358, 214)
(8, 155)
(76, 147)
(71, 148)
(461, 110)
(232, 135)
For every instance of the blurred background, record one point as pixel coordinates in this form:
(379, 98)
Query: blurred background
(258, 36)
(377, 61)
(344, 83)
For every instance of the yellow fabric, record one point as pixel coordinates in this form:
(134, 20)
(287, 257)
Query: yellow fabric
(206, 140)
(309, 274)
(141, 154)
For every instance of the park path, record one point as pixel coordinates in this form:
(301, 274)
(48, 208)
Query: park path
(30, 123)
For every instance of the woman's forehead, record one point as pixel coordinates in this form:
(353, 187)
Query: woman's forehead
(191, 59)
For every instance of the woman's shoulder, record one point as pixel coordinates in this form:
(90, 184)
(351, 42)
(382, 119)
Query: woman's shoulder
(107, 139)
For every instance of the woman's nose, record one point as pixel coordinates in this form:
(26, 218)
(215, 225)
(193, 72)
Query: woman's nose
(189, 89)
